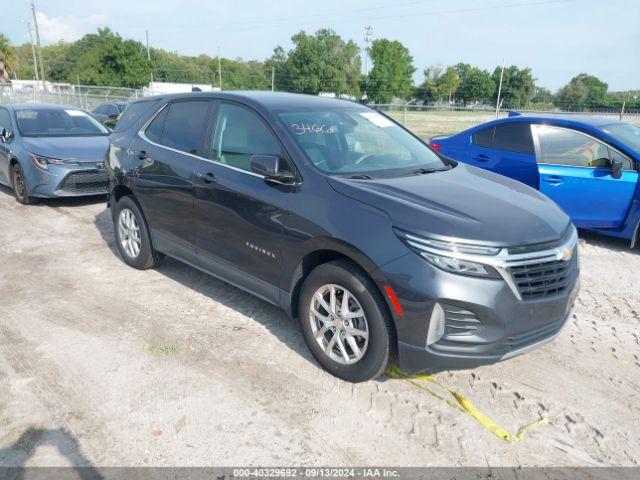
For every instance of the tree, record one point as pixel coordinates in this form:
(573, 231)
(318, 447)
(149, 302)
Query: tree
(106, 58)
(439, 84)
(475, 85)
(582, 91)
(322, 62)
(391, 75)
(518, 86)
(7, 57)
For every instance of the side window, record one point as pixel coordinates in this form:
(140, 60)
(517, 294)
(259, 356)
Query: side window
(154, 130)
(134, 114)
(239, 134)
(484, 137)
(514, 137)
(561, 146)
(111, 109)
(185, 125)
(5, 119)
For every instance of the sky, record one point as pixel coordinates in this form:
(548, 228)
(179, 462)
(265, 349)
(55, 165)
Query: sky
(558, 39)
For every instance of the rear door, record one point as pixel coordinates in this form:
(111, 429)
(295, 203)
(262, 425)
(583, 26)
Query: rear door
(575, 172)
(169, 151)
(507, 149)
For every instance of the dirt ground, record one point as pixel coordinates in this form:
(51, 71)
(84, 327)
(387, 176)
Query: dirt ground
(102, 365)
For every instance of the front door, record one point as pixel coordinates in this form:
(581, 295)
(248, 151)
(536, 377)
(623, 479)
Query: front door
(5, 148)
(575, 172)
(238, 214)
(167, 158)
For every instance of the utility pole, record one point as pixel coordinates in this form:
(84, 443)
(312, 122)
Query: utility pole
(35, 24)
(273, 78)
(499, 90)
(368, 34)
(219, 70)
(146, 32)
(35, 58)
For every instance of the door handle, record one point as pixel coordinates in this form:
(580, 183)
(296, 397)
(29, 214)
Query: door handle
(554, 180)
(481, 158)
(206, 177)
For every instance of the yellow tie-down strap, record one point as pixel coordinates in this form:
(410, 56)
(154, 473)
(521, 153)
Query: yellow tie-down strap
(463, 405)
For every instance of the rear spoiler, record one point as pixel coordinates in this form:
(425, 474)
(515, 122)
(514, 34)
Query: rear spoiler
(513, 113)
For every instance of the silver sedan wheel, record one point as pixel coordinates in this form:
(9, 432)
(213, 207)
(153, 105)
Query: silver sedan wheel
(129, 233)
(339, 324)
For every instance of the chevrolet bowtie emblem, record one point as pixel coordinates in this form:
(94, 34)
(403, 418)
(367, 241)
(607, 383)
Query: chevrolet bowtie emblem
(565, 255)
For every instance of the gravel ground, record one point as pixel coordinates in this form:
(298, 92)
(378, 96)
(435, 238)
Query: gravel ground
(104, 365)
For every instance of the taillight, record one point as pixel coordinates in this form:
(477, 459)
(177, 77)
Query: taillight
(436, 146)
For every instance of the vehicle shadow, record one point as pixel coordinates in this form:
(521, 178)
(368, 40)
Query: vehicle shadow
(13, 458)
(60, 201)
(270, 316)
(610, 243)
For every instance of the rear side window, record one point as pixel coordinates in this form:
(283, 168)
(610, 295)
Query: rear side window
(513, 137)
(185, 125)
(154, 130)
(484, 137)
(134, 112)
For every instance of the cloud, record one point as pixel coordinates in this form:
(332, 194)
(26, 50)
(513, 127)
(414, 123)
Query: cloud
(68, 27)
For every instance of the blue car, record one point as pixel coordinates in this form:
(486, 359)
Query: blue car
(587, 165)
(51, 151)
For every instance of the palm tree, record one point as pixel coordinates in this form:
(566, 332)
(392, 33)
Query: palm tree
(7, 57)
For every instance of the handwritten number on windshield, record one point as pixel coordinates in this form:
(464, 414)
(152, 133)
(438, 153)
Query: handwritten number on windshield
(302, 128)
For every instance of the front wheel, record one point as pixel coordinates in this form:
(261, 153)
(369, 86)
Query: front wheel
(132, 236)
(19, 184)
(346, 323)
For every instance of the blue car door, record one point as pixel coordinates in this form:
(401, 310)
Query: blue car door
(575, 172)
(507, 149)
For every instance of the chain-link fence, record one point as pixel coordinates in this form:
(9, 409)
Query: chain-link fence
(83, 96)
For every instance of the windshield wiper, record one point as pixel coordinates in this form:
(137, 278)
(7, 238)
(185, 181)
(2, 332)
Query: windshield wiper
(359, 176)
(422, 171)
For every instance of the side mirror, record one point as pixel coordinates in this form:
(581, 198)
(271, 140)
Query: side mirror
(5, 135)
(113, 116)
(616, 168)
(271, 167)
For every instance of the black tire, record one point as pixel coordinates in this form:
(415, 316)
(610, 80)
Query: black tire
(381, 349)
(146, 256)
(20, 187)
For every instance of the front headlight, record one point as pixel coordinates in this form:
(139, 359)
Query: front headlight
(43, 162)
(446, 255)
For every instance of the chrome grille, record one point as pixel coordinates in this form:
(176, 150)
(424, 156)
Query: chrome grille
(544, 279)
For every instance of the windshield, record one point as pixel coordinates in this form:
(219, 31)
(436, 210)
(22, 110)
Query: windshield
(359, 142)
(626, 133)
(57, 122)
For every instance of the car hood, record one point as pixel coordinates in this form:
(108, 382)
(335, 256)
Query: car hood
(81, 149)
(465, 202)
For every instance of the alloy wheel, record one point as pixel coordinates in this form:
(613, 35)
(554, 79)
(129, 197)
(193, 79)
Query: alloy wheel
(129, 233)
(338, 324)
(18, 184)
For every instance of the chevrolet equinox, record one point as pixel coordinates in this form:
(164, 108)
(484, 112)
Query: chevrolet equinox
(386, 251)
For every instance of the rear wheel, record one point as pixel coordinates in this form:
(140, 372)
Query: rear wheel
(132, 236)
(346, 323)
(20, 189)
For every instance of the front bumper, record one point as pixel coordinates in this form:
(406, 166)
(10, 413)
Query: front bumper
(485, 321)
(67, 181)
